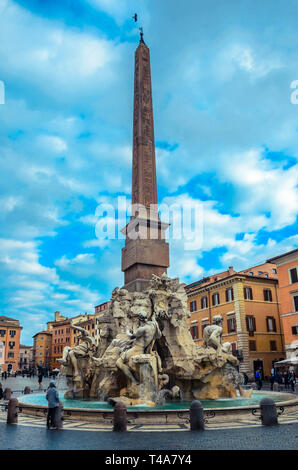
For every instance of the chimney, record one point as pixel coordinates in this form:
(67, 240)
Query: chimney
(231, 270)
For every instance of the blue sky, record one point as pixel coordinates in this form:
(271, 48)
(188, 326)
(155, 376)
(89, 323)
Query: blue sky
(225, 129)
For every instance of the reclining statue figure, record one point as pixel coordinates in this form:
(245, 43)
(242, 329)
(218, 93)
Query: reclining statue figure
(212, 333)
(143, 341)
(85, 349)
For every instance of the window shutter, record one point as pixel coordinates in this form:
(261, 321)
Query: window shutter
(274, 324)
(267, 323)
(229, 325)
(254, 324)
(251, 296)
(244, 292)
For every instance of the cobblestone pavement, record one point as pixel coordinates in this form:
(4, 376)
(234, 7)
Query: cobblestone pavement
(19, 383)
(284, 437)
(290, 416)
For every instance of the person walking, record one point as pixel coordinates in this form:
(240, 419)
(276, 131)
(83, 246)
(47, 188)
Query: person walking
(53, 402)
(272, 379)
(1, 392)
(40, 380)
(259, 379)
(286, 380)
(292, 380)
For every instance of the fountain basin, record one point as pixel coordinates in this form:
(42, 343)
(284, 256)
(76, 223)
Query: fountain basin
(175, 412)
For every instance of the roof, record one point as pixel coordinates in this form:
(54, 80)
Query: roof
(282, 256)
(3, 318)
(42, 332)
(198, 285)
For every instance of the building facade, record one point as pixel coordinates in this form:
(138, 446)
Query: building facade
(249, 306)
(10, 334)
(25, 357)
(2, 356)
(42, 349)
(287, 269)
(100, 311)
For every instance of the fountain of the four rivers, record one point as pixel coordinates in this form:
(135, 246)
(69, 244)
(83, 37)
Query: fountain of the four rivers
(146, 357)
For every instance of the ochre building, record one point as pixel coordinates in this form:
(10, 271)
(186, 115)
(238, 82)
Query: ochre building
(42, 349)
(248, 303)
(287, 269)
(10, 334)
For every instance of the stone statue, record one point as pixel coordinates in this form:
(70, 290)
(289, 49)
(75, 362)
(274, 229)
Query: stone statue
(143, 341)
(85, 349)
(213, 333)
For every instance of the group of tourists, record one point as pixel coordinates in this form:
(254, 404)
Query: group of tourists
(287, 378)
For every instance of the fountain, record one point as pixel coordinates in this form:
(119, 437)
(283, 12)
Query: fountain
(146, 357)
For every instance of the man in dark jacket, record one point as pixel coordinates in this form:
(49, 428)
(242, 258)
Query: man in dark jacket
(53, 402)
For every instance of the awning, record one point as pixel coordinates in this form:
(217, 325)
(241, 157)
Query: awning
(291, 361)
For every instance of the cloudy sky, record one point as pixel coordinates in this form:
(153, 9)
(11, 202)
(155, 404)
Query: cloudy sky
(225, 129)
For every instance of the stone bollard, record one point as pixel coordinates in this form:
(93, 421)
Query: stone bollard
(268, 412)
(7, 394)
(58, 418)
(12, 411)
(120, 420)
(197, 422)
(27, 390)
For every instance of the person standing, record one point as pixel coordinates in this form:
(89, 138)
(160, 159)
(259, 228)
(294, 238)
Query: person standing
(272, 379)
(292, 380)
(53, 402)
(40, 380)
(1, 392)
(259, 379)
(286, 380)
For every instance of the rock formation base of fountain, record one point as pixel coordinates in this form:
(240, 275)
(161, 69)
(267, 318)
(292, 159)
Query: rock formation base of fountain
(146, 352)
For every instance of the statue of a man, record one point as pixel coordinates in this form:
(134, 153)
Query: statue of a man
(85, 349)
(143, 340)
(212, 333)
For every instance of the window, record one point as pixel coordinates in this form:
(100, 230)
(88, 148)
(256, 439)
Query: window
(2, 333)
(231, 325)
(267, 295)
(260, 272)
(252, 345)
(293, 275)
(251, 273)
(229, 295)
(193, 305)
(273, 346)
(215, 299)
(250, 324)
(194, 332)
(274, 270)
(295, 301)
(12, 333)
(10, 354)
(295, 330)
(271, 324)
(11, 344)
(248, 293)
(204, 302)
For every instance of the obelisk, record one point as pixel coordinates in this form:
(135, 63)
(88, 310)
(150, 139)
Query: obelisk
(146, 252)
